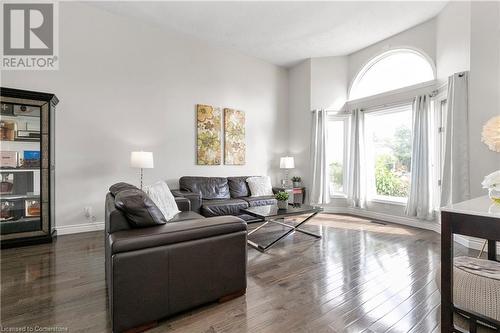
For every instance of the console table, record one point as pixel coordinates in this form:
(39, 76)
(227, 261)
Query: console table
(478, 217)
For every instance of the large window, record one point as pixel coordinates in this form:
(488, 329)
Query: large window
(388, 152)
(337, 154)
(391, 70)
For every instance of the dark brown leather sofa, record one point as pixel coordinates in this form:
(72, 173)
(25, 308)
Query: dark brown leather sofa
(155, 272)
(219, 196)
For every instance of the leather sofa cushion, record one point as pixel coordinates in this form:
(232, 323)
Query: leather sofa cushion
(172, 233)
(238, 187)
(118, 187)
(222, 207)
(210, 188)
(183, 216)
(139, 209)
(261, 201)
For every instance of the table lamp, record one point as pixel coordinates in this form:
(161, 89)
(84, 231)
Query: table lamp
(142, 160)
(286, 163)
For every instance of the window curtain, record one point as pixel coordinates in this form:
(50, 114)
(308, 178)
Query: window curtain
(420, 197)
(320, 193)
(455, 178)
(356, 189)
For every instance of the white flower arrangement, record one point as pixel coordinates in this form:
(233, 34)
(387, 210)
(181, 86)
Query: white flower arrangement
(492, 180)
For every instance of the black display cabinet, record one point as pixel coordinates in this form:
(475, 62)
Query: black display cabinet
(26, 167)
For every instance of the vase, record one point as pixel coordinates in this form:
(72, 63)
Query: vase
(494, 194)
(296, 184)
(282, 204)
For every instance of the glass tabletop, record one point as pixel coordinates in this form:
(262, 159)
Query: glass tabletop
(273, 210)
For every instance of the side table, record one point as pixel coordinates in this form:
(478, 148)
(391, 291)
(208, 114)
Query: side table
(298, 194)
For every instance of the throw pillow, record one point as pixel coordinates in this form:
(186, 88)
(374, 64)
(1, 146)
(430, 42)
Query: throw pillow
(163, 198)
(260, 186)
(139, 209)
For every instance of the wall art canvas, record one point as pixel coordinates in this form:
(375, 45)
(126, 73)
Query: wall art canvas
(209, 130)
(234, 137)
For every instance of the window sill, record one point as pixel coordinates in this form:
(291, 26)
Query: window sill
(388, 201)
(338, 196)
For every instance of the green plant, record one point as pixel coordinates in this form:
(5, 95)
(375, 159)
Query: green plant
(296, 179)
(281, 196)
(388, 181)
(336, 174)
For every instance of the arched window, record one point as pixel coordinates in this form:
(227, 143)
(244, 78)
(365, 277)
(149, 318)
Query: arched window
(391, 70)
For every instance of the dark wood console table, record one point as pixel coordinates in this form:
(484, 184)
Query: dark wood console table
(478, 217)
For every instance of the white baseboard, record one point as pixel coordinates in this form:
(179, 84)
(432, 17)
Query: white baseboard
(77, 228)
(409, 221)
(473, 243)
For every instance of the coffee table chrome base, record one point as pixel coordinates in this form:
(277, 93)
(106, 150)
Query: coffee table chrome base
(292, 228)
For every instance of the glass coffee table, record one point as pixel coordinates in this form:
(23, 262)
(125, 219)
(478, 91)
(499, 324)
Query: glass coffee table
(271, 214)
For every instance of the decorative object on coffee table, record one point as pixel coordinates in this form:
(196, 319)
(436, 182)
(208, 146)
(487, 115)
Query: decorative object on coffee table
(282, 198)
(271, 214)
(209, 130)
(234, 137)
(286, 163)
(141, 160)
(296, 181)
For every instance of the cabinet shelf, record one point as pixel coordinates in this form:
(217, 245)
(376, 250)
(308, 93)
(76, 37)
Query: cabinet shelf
(20, 225)
(7, 170)
(19, 196)
(22, 140)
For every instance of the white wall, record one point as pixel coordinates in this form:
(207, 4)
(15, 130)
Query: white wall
(484, 88)
(299, 122)
(453, 34)
(328, 83)
(125, 85)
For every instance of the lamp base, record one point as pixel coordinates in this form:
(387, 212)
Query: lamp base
(285, 183)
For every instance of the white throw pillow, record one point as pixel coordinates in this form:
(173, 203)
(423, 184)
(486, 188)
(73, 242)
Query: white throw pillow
(163, 198)
(260, 186)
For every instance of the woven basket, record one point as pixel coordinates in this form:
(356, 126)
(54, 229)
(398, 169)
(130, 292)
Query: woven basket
(476, 288)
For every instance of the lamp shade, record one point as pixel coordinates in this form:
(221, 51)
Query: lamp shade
(141, 159)
(287, 162)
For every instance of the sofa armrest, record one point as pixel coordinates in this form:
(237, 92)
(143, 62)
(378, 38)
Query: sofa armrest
(183, 204)
(277, 189)
(174, 233)
(194, 198)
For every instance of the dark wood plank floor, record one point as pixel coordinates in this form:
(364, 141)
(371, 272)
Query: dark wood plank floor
(360, 277)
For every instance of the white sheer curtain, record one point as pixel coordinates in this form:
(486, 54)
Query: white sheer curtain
(455, 179)
(320, 193)
(420, 198)
(356, 188)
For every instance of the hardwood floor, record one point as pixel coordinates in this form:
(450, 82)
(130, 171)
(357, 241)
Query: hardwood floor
(360, 277)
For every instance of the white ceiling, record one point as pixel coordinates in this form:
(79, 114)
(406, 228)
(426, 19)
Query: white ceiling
(284, 33)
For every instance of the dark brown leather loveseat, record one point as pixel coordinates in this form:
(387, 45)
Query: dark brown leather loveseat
(219, 196)
(157, 271)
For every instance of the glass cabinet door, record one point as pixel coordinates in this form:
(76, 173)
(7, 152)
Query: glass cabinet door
(24, 168)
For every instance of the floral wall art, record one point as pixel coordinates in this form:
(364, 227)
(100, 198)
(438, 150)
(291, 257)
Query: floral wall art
(209, 130)
(234, 137)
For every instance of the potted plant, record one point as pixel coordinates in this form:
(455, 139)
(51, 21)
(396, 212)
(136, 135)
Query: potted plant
(296, 181)
(282, 198)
